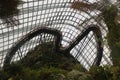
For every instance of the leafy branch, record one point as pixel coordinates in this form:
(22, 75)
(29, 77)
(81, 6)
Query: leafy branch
(8, 11)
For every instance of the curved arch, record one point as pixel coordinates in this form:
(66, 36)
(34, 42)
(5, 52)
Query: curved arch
(11, 53)
(98, 35)
(58, 38)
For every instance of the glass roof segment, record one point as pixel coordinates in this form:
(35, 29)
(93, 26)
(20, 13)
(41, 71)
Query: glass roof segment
(56, 14)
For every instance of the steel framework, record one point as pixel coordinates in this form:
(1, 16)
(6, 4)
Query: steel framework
(76, 31)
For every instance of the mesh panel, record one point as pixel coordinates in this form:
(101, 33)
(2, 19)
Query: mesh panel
(55, 14)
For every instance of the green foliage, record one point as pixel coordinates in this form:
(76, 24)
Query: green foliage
(52, 73)
(8, 12)
(98, 73)
(79, 67)
(110, 15)
(42, 63)
(44, 56)
(115, 72)
(74, 75)
(77, 75)
(105, 73)
(3, 75)
(9, 8)
(41, 74)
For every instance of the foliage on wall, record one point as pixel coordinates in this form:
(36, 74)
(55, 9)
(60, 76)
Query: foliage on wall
(110, 14)
(48, 65)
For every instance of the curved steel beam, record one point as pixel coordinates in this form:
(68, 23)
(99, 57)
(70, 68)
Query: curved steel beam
(11, 53)
(98, 35)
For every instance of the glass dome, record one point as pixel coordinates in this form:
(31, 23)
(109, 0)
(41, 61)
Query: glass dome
(41, 21)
